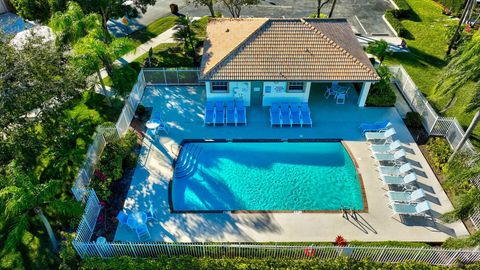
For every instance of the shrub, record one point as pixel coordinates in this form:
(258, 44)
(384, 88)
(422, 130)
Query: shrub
(123, 79)
(381, 94)
(112, 163)
(378, 48)
(413, 120)
(455, 6)
(396, 23)
(439, 151)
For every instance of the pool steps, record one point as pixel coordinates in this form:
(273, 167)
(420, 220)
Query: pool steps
(188, 162)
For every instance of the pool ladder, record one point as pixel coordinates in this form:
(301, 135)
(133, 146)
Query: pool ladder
(188, 161)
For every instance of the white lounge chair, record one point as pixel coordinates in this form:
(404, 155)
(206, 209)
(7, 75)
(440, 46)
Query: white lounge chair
(416, 209)
(241, 112)
(395, 170)
(382, 135)
(392, 157)
(386, 148)
(406, 196)
(399, 180)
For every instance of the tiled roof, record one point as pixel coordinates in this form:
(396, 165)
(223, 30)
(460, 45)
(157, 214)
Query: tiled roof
(284, 49)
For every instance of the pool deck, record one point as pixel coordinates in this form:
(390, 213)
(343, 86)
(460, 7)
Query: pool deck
(182, 108)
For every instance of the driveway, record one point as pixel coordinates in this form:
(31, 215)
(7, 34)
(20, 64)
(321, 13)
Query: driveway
(365, 16)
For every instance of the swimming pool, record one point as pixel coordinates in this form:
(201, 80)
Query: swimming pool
(265, 176)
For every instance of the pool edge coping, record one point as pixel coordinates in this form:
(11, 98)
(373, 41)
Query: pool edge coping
(343, 211)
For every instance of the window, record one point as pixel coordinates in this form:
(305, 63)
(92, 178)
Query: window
(219, 87)
(296, 87)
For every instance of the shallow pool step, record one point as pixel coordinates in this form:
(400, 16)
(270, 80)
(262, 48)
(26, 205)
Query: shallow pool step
(191, 166)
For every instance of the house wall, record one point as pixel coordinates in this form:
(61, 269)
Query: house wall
(276, 92)
(236, 90)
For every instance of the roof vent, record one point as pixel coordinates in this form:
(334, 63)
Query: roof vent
(228, 30)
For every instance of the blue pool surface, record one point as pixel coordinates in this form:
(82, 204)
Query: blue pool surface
(265, 176)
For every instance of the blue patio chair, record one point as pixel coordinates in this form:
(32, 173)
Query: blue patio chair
(231, 113)
(341, 98)
(151, 216)
(285, 113)
(143, 233)
(379, 126)
(209, 113)
(409, 209)
(305, 113)
(275, 119)
(295, 113)
(122, 218)
(241, 112)
(330, 92)
(219, 113)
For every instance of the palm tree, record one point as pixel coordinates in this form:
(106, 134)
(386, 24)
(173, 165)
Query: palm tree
(73, 24)
(187, 36)
(24, 198)
(92, 53)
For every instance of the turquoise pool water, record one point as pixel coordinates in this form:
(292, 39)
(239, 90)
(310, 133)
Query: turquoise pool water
(265, 176)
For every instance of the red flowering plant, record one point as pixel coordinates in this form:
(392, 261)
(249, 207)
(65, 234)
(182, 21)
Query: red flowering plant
(340, 241)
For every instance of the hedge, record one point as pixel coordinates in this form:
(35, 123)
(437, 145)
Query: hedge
(395, 23)
(188, 263)
(404, 10)
(455, 6)
(381, 95)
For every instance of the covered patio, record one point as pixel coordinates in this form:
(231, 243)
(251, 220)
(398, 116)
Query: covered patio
(182, 108)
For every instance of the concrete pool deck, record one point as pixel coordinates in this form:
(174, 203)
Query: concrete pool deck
(182, 108)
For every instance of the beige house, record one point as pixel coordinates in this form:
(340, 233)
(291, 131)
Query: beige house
(264, 60)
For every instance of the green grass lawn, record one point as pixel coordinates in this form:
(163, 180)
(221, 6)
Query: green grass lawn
(424, 64)
(154, 29)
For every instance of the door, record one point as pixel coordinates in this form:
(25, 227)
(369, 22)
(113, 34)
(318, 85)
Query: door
(257, 94)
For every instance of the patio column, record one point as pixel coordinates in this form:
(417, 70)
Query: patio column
(363, 94)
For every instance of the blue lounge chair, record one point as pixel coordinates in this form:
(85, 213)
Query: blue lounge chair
(305, 113)
(219, 113)
(406, 196)
(285, 112)
(143, 233)
(209, 113)
(241, 112)
(379, 126)
(295, 113)
(275, 119)
(231, 113)
(417, 209)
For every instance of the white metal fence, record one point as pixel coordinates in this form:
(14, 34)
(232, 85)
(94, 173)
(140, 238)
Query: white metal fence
(89, 219)
(172, 76)
(107, 134)
(435, 125)
(475, 217)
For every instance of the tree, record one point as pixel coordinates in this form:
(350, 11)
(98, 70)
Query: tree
(330, 14)
(464, 67)
(114, 9)
(235, 6)
(320, 4)
(24, 198)
(73, 24)
(91, 53)
(206, 3)
(35, 83)
(187, 37)
(379, 48)
(34, 10)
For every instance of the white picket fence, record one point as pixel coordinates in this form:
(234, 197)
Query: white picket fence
(435, 125)
(107, 134)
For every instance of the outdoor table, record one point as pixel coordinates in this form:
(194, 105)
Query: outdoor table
(153, 123)
(137, 219)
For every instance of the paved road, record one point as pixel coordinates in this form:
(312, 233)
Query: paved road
(364, 15)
